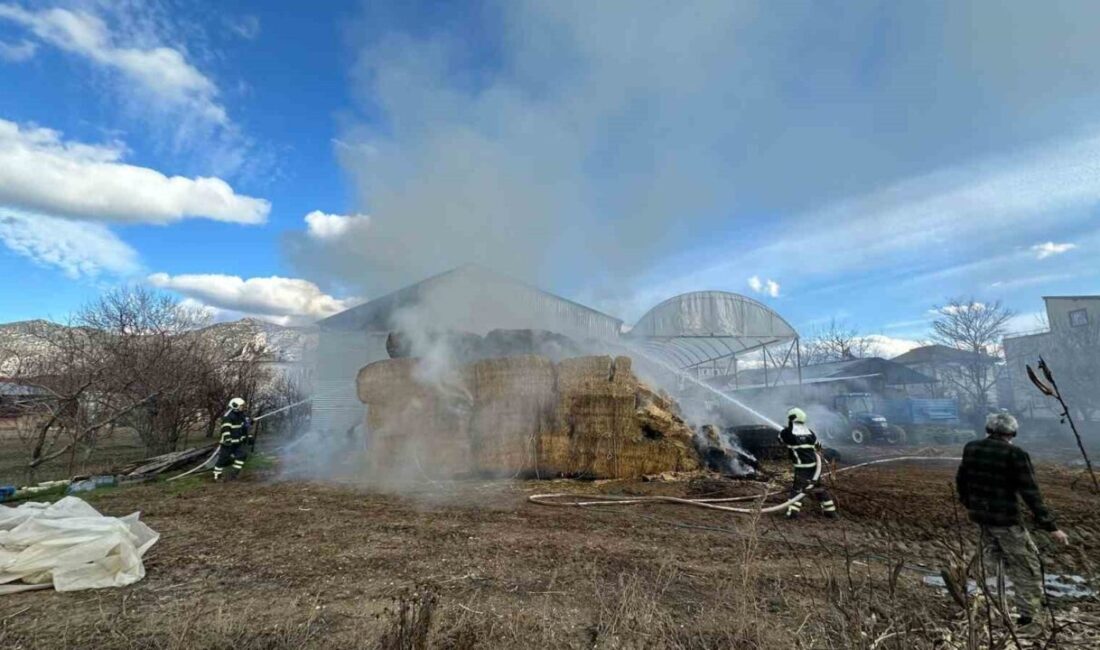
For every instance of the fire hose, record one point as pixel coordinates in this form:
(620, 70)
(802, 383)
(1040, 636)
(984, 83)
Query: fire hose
(206, 463)
(712, 504)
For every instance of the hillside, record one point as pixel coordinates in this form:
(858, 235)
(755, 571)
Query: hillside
(19, 342)
(277, 343)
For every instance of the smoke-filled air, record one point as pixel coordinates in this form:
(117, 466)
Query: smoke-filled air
(412, 324)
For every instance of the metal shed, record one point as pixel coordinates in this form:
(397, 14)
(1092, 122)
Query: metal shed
(873, 372)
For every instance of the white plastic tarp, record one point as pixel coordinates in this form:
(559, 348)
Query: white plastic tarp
(70, 546)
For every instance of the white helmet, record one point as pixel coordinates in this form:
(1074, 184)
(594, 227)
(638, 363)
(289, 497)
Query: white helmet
(236, 404)
(797, 414)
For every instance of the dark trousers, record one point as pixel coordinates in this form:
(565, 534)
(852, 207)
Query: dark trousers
(804, 482)
(230, 456)
(1011, 547)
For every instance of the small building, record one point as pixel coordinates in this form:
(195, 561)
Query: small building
(18, 401)
(947, 366)
(1071, 345)
(823, 380)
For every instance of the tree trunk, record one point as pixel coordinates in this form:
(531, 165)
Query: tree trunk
(211, 423)
(71, 467)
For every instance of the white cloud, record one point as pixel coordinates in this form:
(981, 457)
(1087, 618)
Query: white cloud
(163, 73)
(323, 227)
(218, 315)
(766, 287)
(1049, 249)
(80, 250)
(40, 171)
(889, 347)
(287, 298)
(951, 310)
(247, 27)
(957, 213)
(1027, 322)
(17, 53)
(1031, 281)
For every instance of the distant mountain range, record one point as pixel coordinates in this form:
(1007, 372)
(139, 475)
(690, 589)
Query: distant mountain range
(270, 342)
(250, 338)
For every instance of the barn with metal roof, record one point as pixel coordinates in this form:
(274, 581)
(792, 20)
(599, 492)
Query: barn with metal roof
(469, 299)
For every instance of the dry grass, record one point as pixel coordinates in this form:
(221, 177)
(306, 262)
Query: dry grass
(289, 565)
(219, 629)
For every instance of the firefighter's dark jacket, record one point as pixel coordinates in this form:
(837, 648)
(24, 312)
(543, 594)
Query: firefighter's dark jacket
(802, 443)
(234, 428)
(992, 473)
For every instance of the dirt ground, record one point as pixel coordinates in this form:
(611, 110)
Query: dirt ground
(262, 563)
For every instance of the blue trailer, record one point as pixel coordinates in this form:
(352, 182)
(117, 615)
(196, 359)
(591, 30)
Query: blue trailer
(929, 419)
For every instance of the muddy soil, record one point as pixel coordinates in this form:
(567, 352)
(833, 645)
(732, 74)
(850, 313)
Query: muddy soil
(262, 563)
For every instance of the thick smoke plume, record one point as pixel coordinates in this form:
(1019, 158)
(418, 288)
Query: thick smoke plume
(579, 148)
(583, 144)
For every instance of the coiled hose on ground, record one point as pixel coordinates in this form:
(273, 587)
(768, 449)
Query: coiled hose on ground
(589, 500)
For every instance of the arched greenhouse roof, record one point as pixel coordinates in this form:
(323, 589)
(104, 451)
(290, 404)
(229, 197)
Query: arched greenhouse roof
(695, 328)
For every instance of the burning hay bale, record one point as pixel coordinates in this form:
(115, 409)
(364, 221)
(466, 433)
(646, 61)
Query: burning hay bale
(585, 416)
(512, 412)
(424, 426)
(719, 455)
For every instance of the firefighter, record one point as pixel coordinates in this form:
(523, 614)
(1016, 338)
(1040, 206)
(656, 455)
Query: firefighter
(804, 446)
(235, 434)
(993, 477)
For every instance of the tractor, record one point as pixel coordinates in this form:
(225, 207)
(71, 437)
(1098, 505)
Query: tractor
(858, 422)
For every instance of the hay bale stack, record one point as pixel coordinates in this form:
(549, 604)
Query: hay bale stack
(594, 409)
(513, 406)
(584, 417)
(615, 426)
(417, 427)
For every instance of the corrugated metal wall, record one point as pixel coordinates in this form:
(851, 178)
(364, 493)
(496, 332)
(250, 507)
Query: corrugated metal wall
(336, 407)
(340, 355)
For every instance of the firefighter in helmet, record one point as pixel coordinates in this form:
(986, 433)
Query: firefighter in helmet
(235, 434)
(804, 447)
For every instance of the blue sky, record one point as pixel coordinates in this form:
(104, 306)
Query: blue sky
(853, 160)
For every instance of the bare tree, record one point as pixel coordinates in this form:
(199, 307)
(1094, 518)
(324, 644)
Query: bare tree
(975, 329)
(134, 360)
(233, 376)
(75, 376)
(280, 392)
(130, 359)
(837, 342)
(150, 358)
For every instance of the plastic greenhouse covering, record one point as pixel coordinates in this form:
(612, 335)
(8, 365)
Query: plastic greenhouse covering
(694, 328)
(70, 546)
